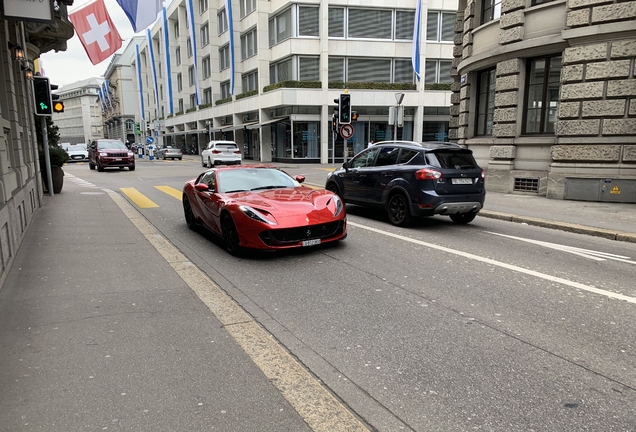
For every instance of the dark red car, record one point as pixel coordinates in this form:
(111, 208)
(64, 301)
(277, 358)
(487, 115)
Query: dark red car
(110, 153)
(262, 207)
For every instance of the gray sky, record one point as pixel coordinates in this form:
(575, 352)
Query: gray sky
(66, 67)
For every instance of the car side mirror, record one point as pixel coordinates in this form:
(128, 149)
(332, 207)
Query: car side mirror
(300, 178)
(202, 187)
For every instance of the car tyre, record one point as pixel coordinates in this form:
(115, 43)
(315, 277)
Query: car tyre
(99, 167)
(203, 162)
(131, 168)
(189, 214)
(230, 235)
(398, 210)
(210, 165)
(463, 218)
(180, 159)
(91, 166)
(333, 188)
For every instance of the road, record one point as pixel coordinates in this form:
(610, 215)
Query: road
(489, 326)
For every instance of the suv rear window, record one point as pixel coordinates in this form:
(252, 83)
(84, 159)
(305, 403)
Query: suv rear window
(451, 159)
(226, 146)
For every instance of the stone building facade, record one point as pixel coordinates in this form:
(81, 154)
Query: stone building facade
(544, 94)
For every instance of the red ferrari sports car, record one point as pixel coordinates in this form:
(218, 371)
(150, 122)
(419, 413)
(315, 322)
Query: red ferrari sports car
(262, 207)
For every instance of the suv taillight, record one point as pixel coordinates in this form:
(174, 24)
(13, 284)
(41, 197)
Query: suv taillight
(427, 174)
(216, 151)
(483, 174)
(237, 152)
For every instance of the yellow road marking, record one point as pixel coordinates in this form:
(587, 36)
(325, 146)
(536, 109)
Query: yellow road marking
(138, 198)
(171, 191)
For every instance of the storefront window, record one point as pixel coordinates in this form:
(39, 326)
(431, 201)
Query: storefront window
(435, 131)
(306, 140)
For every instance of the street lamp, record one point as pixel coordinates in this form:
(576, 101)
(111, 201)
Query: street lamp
(398, 99)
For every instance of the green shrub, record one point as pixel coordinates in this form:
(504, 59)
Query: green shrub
(57, 156)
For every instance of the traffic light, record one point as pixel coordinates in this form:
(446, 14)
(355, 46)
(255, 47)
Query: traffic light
(336, 111)
(344, 109)
(42, 96)
(354, 115)
(58, 105)
(334, 123)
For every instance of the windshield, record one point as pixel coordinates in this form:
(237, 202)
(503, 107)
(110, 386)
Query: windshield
(76, 148)
(114, 144)
(251, 179)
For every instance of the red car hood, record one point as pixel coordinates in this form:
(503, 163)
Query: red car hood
(289, 202)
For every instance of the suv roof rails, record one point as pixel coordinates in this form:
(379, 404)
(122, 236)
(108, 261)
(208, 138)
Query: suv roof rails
(399, 142)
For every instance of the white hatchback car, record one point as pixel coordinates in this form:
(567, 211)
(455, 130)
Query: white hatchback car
(221, 152)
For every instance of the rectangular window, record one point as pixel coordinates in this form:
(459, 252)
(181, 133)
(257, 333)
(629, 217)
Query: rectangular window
(490, 10)
(221, 21)
(309, 69)
(438, 71)
(336, 22)
(248, 44)
(177, 55)
(249, 81)
(176, 29)
(224, 57)
(308, 20)
(203, 6)
(191, 76)
(189, 47)
(225, 90)
(542, 95)
(440, 26)
(180, 105)
(370, 24)
(205, 65)
(205, 34)
(179, 82)
(280, 27)
(193, 100)
(281, 71)
(485, 101)
(247, 6)
(207, 95)
(369, 70)
(403, 71)
(336, 69)
(404, 21)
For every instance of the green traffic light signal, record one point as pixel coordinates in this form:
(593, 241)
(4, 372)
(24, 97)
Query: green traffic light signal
(42, 96)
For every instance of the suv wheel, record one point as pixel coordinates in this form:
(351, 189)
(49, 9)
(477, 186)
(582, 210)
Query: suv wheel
(131, 168)
(91, 166)
(210, 165)
(203, 162)
(99, 167)
(398, 210)
(463, 218)
(333, 188)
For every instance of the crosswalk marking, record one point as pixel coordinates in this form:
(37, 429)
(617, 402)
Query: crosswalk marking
(138, 198)
(171, 191)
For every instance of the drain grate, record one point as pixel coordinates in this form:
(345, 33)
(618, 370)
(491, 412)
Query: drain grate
(526, 184)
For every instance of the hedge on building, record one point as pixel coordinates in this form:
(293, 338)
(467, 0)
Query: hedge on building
(292, 84)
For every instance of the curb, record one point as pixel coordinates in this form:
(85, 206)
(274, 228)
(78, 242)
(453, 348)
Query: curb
(563, 226)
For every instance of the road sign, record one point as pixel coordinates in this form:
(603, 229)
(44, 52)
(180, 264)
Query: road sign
(150, 140)
(346, 131)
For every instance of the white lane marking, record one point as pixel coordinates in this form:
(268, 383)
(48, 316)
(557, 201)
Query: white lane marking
(500, 264)
(591, 254)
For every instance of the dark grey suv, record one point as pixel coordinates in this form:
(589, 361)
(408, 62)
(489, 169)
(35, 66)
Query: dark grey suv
(413, 179)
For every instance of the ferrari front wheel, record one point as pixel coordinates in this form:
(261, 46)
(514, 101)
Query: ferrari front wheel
(230, 235)
(187, 212)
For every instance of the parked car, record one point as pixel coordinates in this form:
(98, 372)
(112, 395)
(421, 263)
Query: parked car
(262, 207)
(77, 152)
(169, 152)
(221, 152)
(410, 179)
(110, 153)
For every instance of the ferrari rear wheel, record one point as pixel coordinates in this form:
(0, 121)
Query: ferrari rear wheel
(230, 235)
(187, 212)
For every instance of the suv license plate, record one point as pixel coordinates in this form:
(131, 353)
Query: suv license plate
(462, 181)
(311, 242)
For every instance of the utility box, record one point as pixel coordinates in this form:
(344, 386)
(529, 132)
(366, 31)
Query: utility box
(600, 190)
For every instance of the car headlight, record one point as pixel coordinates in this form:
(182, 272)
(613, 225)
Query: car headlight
(255, 214)
(103, 154)
(339, 205)
(130, 154)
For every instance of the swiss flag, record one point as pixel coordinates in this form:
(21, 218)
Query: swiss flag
(96, 31)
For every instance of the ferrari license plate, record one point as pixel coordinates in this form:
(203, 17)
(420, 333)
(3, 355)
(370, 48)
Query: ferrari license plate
(311, 242)
(462, 181)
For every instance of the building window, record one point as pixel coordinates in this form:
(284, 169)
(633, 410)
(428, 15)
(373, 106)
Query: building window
(485, 101)
(180, 105)
(205, 65)
(403, 71)
(191, 76)
(189, 47)
(438, 71)
(308, 20)
(246, 7)
(336, 69)
(281, 71)
(193, 100)
(490, 10)
(179, 82)
(130, 124)
(224, 57)
(203, 6)
(404, 21)
(309, 68)
(248, 44)
(440, 26)
(336, 22)
(370, 23)
(280, 27)
(542, 95)
(205, 34)
(207, 95)
(221, 21)
(249, 81)
(177, 55)
(369, 70)
(176, 29)
(225, 90)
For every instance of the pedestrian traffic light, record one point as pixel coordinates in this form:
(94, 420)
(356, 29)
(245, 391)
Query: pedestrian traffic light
(344, 109)
(42, 96)
(336, 110)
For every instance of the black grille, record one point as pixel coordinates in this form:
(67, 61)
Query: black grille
(125, 154)
(526, 184)
(294, 235)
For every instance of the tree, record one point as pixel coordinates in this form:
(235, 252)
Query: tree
(52, 131)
